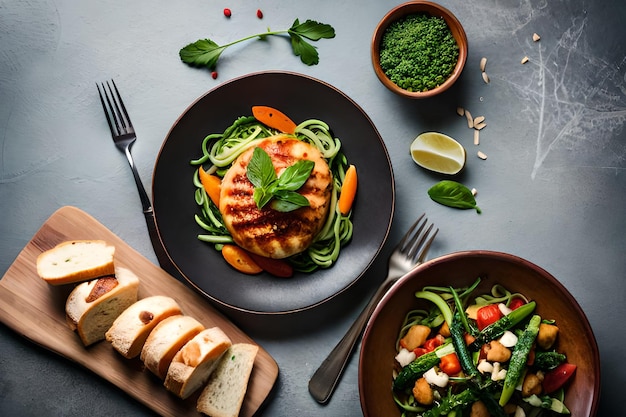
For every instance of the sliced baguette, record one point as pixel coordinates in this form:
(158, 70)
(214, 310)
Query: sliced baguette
(165, 341)
(76, 261)
(129, 331)
(226, 388)
(194, 363)
(92, 306)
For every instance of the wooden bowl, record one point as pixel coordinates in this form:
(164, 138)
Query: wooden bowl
(416, 7)
(461, 269)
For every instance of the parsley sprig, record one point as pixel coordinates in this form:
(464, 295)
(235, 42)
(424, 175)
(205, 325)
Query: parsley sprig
(280, 190)
(205, 52)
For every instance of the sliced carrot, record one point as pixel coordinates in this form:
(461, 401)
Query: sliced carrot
(277, 267)
(239, 259)
(348, 191)
(212, 185)
(274, 119)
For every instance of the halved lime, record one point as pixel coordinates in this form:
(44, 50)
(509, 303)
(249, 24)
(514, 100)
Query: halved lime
(438, 152)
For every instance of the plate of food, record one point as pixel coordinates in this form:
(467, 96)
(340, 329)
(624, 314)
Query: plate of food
(479, 330)
(305, 134)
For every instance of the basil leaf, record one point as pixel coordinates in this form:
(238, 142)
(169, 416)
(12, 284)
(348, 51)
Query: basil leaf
(294, 176)
(283, 206)
(453, 194)
(280, 191)
(262, 197)
(286, 200)
(292, 197)
(260, 169)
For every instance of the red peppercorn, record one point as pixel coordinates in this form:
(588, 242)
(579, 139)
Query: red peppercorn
(259, 14)
(227, 12)
(214, 74)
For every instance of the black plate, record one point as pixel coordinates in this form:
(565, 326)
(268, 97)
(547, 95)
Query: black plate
(300, 97)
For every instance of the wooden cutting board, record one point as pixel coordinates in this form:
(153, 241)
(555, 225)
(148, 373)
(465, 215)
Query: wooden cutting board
(36, 310)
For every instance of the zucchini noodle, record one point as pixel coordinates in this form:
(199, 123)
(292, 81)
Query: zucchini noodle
(499, 294)
(219, 151)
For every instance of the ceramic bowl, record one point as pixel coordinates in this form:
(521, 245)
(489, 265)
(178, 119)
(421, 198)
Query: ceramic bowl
(461, 269)
(417, 7)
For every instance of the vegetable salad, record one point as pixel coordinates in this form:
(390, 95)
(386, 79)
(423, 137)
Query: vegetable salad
(477, 355)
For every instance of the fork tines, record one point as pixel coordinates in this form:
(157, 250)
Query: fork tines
(418, 239)
(114, 109)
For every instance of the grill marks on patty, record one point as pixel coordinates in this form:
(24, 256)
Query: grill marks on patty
(268, 232)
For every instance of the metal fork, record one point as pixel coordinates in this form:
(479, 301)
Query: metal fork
(410, 252)
(124, 137)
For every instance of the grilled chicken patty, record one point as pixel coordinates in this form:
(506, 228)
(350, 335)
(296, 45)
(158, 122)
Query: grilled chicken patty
(268, 232)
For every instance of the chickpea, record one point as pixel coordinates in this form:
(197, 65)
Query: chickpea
(479, 409)
(423, 392)
(415, 337)
(444, 330)
(547, 335)
(497, 352)
(531, 385)
(509, 408)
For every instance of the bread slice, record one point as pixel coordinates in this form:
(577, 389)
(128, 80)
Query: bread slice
(92, 306)
(226, 388)
(76, 261)
(194, 363)
(166, 340)
(130, 330)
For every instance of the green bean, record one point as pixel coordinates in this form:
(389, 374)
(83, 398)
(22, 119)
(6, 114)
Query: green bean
(460, 310)
(413, 371)
(465, 358)
(517, 363)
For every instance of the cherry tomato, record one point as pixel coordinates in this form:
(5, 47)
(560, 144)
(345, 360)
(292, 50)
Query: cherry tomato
(419, 351)
(433, 343)
(516, 303)
(487, 315)
(450, 364)
(277, 267)
(557, 377)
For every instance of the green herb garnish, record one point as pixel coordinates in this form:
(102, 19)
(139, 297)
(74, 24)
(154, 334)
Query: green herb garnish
(453, 194)
(281, 191)
(206, 52)
(418, 52)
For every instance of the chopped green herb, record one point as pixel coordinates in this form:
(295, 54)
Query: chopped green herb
(205, 52)
(418, 52)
